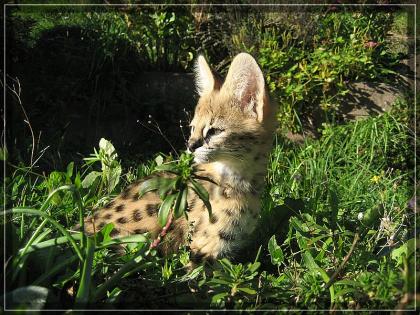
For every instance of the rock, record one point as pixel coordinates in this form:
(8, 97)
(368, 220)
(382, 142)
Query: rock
(368, 98)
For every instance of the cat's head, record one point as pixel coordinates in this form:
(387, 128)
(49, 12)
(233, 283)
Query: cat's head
(234, 118)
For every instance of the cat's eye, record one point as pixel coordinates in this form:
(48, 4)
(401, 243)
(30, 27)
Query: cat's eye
(213, 132)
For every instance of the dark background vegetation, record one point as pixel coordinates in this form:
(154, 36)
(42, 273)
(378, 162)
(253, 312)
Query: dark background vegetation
(92, 72)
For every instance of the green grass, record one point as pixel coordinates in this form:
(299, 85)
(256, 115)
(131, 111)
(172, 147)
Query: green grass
(404, 23)
(335, 232)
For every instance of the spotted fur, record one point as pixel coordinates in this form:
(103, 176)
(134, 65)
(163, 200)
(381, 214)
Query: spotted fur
(231, 135)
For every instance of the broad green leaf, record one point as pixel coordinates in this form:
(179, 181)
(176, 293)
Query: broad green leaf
(302, 241)
(166, 168)
(218, 297)
(90, 179)
(107, 240)
(178, 183)
(165, 208)
(181, 203)
(371, 216)
(106, 231)
(159, 160)
(247, 290)
(309, 261)
(41, 236)
(258, 254)
(113, 177)
(202, 193)
(254, 267)
(108, 148)
(191, 275)
(298, 225)
(219, 281)
(312, 266)
(154, 183)
(69, 172)
(345, 291)
(166, 186)
(405, 250)
(176, 205)
(226, 264)
(276, 253)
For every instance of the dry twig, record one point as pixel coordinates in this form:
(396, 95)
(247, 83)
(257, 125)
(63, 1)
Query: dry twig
(344, 262)
(16, 91)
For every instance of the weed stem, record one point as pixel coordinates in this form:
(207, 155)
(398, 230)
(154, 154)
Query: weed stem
(344, 262)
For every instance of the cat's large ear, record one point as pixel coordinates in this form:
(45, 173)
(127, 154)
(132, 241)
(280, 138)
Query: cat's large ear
(204, 79)
(245, 83)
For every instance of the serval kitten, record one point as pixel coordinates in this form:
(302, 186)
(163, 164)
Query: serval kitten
(231, 136)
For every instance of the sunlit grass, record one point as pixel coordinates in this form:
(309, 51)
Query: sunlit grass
(337, 207)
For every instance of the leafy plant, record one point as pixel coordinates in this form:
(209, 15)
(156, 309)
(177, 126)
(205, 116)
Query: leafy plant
(112, 33)
(110, 167)
(310, 75)
(233, 283)
(84, 248)
(312, 260)
(173, 190)
(275, 251)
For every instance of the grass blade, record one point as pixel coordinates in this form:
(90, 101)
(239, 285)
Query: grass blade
(313, 266)
(19, 260)
(53, 222)
(137, 238)
(77, 197)
(82, 296)
(52, 242)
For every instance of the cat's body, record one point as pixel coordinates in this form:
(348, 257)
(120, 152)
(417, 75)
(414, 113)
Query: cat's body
(231, 137)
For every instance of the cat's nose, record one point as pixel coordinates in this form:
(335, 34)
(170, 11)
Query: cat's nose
(193, 144)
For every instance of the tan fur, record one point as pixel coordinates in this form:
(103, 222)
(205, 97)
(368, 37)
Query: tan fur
(235, 158)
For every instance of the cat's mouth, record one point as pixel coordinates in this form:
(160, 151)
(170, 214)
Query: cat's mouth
(209, 155)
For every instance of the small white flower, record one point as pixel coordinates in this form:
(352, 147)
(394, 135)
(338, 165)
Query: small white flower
(360, 216)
